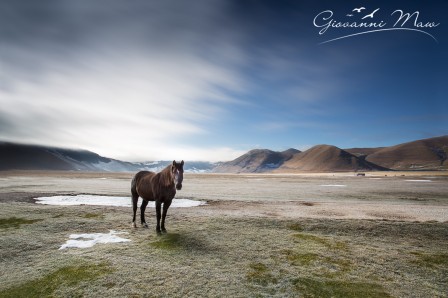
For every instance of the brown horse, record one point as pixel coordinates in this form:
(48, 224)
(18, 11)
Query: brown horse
(159, 187)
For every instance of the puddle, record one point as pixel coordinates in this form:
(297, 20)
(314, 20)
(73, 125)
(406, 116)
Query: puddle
(109, 201)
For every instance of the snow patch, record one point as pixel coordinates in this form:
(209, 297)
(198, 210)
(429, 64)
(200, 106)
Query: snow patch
(89, 240)
(108, 201)
(419, 180)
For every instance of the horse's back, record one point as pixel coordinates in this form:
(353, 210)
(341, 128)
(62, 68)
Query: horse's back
(141, 184)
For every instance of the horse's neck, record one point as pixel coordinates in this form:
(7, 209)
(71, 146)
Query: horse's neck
(163, 177)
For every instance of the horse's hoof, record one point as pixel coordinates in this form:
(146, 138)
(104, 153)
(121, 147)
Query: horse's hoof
(134, 225)
(159, 232)
(164, 231)
(145, 225)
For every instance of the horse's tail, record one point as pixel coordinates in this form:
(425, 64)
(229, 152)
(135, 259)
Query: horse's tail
(134, 189)
(134, 199)
(134, 186)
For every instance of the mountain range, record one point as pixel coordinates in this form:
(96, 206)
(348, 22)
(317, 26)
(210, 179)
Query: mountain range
(426, 154)
(32, 157)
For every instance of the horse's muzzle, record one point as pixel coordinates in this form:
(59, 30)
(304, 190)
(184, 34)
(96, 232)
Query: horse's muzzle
(179, 186)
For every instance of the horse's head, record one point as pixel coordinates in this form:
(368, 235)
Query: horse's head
(178, 171)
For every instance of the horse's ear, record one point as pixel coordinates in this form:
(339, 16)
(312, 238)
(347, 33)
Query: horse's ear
(182, 163)
(174, 163)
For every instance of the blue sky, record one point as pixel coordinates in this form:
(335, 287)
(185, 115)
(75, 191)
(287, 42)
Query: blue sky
(209, 80)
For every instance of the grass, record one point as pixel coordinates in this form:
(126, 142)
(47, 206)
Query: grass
(431, 260)
(313, 287)
(68, 276)
(93, 215)
(260, 274)
(338, 245)
(15, 222)
(227, 256)
(167, 241)
(300, 259)
(295, 227)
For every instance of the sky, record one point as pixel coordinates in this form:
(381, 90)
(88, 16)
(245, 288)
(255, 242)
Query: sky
(211, 79)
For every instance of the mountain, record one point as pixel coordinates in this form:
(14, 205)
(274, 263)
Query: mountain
(189, 167)
(33, 157)
(363, 152)
(256, 161)
(426, 154)
(327, 158)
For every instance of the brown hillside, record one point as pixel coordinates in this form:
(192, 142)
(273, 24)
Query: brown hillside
(363, 151)
(427, 154)
(326, 158)
(256, 161)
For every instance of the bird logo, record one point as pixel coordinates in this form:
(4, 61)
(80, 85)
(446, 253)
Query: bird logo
(370, 15)
(358, 10)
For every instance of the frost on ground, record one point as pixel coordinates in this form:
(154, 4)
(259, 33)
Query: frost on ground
(108, 201)
(89, 240)
(414, 180)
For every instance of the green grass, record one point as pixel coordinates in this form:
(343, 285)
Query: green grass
(168, 241)
(311, 287)
(15, 222)
(300, 259)
(431, 260)
(186, 242)
(93, 215)
(221, 257)
(338, 245)
(259, 273)
(63, 277)
(334, 266)
(295, 227)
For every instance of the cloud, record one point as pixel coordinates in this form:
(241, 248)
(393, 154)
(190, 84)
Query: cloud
(144, 80)
(126, 82)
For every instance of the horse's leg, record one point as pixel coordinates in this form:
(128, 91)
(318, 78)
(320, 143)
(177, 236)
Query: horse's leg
(166, 205)
(158, 206)
(134, 207)
(142, 213)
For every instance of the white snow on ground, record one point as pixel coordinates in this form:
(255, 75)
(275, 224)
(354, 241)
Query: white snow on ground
(89, 240)
(418, 180)
(334, 185)
(108, 201)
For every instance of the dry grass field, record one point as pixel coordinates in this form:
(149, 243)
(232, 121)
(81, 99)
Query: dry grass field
(322, 235)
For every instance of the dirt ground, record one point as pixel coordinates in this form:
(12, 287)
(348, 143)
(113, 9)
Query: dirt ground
(379, 195)
(320, 235)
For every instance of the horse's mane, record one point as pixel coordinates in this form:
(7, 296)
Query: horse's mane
(166, 176)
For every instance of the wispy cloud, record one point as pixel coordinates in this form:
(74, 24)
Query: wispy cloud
(177, 79)
(122, 92)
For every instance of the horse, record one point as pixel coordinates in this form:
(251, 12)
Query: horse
(159, 187)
